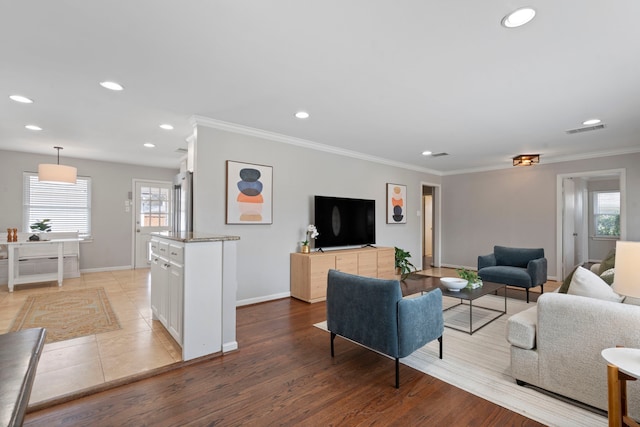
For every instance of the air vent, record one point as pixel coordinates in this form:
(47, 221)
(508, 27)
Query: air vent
(439, 154)
(585, 129)
(181, 150)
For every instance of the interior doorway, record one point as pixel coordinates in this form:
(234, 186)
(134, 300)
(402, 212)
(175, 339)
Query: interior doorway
(574, 241)
(430, 225)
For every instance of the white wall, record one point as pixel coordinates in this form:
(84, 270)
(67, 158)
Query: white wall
(298, 174)
(110, 185)
(517, 207)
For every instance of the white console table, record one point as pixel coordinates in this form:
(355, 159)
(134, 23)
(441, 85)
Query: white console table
(13, 249)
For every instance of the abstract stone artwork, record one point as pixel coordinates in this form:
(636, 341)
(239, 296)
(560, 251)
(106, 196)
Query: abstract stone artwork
(396, 204)
(249, 193)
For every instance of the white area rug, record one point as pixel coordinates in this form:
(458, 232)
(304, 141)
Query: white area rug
(480, 364)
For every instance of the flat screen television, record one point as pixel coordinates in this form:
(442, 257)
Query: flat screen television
(344, 222)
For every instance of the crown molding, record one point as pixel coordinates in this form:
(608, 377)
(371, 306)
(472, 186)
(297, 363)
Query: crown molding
(277, 137)
(299, 142)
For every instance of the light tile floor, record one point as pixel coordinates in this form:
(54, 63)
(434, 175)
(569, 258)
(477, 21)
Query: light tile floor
(73, 365)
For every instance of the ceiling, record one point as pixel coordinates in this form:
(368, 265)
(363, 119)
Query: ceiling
(385, 79)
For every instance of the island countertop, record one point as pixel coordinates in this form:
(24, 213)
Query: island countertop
(187, 237)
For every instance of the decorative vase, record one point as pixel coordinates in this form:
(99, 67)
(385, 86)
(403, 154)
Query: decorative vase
(304, 249)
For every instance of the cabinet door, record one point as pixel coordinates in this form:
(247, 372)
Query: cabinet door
(386, 263)
(368, 263)
(319, 271)
(347, 262)
(159, 283)
(176, 278)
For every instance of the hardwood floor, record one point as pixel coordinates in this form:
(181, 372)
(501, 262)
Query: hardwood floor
(283, 374)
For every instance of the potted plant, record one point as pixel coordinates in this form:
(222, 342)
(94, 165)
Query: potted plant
(39, 227)
(472, 278)
(311, 233)
(403, 266)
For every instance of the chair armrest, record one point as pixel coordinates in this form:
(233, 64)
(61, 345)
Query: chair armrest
(537, 269)
(486, 261)
(420, 321)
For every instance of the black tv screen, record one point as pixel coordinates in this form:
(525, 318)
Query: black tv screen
(344, 222)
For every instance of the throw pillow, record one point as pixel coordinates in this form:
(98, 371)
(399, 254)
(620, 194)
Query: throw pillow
(608, 262)
(587, 284)
(607, 276)
(566, 282)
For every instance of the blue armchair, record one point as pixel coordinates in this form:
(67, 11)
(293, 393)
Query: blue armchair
(523, 267)
(373, 313)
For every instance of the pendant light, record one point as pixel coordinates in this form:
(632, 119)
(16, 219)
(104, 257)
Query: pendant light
(57, 173)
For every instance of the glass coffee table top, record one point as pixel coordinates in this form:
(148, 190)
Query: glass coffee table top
(453, 315)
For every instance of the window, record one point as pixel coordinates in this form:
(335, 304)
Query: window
(67, 206)
(606, 213)
(154, 209)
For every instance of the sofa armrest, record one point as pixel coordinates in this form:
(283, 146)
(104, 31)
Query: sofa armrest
(537, 269)
(420, 321)
(486, 261)
(521, 328)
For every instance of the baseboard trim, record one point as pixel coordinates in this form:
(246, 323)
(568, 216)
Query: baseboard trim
(229, 346)
(103, 269)
(265, 298)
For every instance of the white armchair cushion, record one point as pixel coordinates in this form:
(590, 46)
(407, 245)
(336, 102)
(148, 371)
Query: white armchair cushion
(587, 284)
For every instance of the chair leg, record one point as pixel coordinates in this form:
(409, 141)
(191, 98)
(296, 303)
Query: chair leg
(333, 336)
(440, 341)
(397, 373)
(527, 295)
(541, 289)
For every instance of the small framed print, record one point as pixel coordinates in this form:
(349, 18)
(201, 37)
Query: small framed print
(396, 204)
(249, 193)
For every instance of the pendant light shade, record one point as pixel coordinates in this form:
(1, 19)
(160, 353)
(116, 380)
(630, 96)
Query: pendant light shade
(57, 173)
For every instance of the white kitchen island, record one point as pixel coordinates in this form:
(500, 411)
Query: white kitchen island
(193, 290)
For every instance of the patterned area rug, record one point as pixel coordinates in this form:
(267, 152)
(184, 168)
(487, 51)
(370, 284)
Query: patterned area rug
(68, 314)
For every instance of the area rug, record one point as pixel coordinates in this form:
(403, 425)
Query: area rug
(480, 364)
(68, 314)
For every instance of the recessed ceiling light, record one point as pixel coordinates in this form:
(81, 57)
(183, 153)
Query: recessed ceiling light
(427, 153)
(33, 127)
(302, 115)
(166, 126)
(518, 17)
(149, 145)
(111, 85)
(591, 122)
(20, 98)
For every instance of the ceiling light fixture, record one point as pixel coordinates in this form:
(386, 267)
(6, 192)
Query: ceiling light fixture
(166, 126)
(518, 17)
(591, 122)
(20, 98)
(111, 85)
(57, 172)
(302, 115)
(526, 159)
(149, 144)
(33, 127)
(427, 153)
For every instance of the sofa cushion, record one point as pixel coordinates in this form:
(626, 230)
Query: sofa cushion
(607, 276)
(516, 257)
(587, 284)
(521, 328)
(566, 282)
(508, 275)
(608, 262)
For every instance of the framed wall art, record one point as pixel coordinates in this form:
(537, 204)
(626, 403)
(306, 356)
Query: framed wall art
(396, 204)
(249, 193)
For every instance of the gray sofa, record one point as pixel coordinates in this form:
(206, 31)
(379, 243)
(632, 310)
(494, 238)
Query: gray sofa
(522, 267)
(556, 346)
(373, 313)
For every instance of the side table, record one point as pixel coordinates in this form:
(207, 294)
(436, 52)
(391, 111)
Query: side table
(624, 365)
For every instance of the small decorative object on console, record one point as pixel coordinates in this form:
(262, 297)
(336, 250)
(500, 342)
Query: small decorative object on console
(312, 233)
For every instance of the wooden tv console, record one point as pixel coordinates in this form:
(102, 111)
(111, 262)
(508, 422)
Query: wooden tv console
(309, 271)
